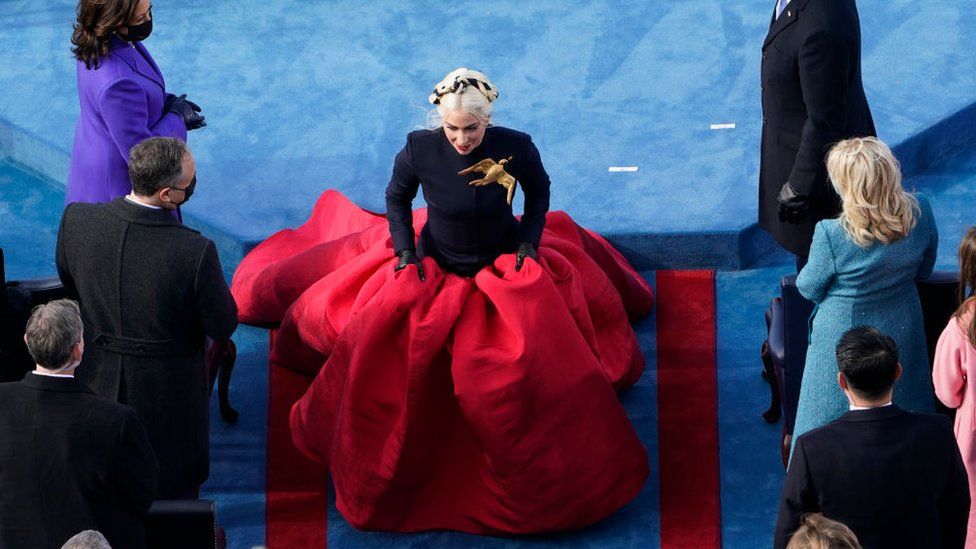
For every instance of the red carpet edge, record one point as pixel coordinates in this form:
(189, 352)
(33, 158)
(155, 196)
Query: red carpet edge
(296, 505)
(688, 410)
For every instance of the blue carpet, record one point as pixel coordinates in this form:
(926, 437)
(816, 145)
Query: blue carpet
(304, 95)
(751, 471)
(238, 451)
(30, 212)
(950, 186)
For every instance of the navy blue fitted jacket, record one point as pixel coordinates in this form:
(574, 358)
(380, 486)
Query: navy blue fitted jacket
(467, 227)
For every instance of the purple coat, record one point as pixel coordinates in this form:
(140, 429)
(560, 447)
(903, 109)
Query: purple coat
(121, 105)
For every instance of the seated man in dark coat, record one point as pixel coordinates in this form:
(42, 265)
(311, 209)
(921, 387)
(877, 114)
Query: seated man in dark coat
(69, 460)
(151, 292)
(896, 478)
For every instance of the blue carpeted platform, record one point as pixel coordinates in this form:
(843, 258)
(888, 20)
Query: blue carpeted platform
(304, 95)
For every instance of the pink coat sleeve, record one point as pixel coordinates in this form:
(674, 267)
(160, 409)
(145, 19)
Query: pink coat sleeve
(124, 109)
(949, 369)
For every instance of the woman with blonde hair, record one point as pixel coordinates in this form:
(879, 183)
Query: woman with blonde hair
(466, 359)
(862, 271)
(819, 532)
(955, 365)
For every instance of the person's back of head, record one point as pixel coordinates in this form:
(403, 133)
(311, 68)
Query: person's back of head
(875, 207)
(54, 335)
(967, 283)
(868, 361)
(89, 539)
(156, 163)
(819, 532)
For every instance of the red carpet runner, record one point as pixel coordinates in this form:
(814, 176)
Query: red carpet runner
(295, 511)
(688, 410)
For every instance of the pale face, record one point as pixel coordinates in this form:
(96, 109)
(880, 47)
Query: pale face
(463, 130)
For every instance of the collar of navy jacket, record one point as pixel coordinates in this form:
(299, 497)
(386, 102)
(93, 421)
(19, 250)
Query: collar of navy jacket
(787, 18)
(134, 213)
(873, 414)
(136, 56)
(57, 384)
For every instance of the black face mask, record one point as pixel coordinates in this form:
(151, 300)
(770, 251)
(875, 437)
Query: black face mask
(138, 33)
(187, 192)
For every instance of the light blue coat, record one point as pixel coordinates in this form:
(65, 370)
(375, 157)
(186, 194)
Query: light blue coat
(872, 286)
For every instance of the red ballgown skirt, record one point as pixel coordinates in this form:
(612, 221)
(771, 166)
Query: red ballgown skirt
(484, 404)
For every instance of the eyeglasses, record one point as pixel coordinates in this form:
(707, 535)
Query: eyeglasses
(189, 187)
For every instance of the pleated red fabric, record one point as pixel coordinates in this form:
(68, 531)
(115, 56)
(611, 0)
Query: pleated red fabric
(482, 404)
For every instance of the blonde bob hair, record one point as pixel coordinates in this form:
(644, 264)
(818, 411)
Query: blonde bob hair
(463, 90)
(867, 177)
(819, 532)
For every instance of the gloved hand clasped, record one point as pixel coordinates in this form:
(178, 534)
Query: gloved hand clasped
(525, 249)
(185, 109)
(408, 257)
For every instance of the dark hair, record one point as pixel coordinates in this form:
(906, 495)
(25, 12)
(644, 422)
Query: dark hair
(97, 20)
(967, 280)
(156, 163)
(868, 359)
(53, 330)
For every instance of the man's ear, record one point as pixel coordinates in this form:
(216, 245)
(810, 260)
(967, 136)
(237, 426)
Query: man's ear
(842, 381)
(898, 372)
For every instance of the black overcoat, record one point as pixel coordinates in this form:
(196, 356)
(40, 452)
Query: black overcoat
(894, 477)
(70, 461)
(467, 227)
(151, 291)
(812, 97)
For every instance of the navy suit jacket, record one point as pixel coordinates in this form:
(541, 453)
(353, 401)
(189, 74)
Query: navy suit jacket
(812, 97)
(895, 478)
(70, 461)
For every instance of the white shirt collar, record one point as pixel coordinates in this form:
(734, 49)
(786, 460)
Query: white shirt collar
(36, 373)
(132, 198)
(855, 408)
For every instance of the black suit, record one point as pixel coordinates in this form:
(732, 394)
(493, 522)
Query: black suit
(70, 461)
(894, 477)
(467, 227)
(812, 97)
(151, 291)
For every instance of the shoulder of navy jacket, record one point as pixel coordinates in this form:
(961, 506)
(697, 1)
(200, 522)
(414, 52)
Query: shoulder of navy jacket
(509, 133)
(424, 133)
(424, 138)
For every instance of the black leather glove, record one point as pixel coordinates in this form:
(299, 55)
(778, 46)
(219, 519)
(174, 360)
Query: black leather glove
(793, 206)
(408, 257)
(185, 109)
(525, 249)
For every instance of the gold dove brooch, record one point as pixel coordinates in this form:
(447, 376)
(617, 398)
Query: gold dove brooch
(494, 173)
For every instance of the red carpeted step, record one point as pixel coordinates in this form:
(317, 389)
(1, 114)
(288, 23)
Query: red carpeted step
(688, 410)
